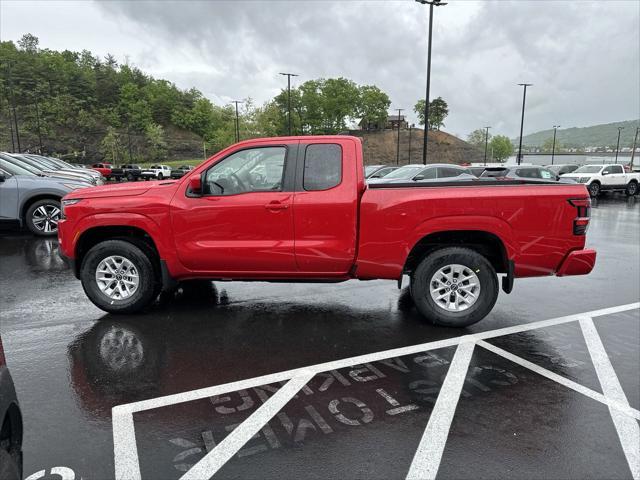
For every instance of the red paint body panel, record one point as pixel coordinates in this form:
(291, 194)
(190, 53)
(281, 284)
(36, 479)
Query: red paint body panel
(348, 231)
(579, 262)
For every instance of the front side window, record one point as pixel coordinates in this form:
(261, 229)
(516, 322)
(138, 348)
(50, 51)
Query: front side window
(547, 174)
(322, 166)
(615, 169)
(528, 173)
(251, 170)
(427, 174)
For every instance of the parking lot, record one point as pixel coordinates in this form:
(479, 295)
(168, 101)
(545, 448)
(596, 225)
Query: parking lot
(258, 380)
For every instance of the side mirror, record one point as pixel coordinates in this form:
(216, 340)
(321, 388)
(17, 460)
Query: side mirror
(606, 172)
(419, 177)
(2, 177)
(195, 184)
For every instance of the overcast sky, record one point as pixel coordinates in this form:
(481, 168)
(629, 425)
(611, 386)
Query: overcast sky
(583, 57)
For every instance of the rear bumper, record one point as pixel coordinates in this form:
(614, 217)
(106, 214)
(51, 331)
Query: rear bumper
(578, 262)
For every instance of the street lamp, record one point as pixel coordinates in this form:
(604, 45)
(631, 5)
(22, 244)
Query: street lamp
(398, 147)
(486, 143)
(553, 149)
(431, 3)
(618, 145)
(633, 150)
(289, 75)
(524, 99)
(237, 120)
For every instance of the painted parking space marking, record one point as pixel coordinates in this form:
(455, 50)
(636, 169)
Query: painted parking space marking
(126, 450)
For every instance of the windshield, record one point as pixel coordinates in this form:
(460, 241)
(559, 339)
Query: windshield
(23, 165)
(369, 169)
(404, 173)
(588, 169)
(14, 169)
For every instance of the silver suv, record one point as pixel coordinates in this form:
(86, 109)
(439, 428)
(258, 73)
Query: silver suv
(27, 199)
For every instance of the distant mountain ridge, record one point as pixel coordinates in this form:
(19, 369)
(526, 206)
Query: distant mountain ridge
(603, 135)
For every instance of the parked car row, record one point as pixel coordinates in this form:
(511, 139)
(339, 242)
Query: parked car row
(597, 178)
(31, 187)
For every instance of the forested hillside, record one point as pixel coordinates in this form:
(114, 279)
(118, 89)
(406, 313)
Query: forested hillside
(83, 107)
(604, 135)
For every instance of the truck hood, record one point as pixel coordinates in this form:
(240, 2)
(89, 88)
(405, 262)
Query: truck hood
(128, 189)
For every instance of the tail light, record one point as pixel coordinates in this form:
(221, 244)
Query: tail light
(583, 210)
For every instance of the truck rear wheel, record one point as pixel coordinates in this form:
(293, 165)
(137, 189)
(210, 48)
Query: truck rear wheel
(454, 287)
(118, 277)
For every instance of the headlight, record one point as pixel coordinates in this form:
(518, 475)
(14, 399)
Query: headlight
(584, 179)
(74, 186)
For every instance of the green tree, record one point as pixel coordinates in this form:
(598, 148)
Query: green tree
(373, 105)
(547, 146)
(438, 111)
(501, 147)
(477, 137)
(111, 146)
(29, 43)
(156, 144)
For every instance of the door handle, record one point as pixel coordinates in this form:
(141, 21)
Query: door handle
(276, 206)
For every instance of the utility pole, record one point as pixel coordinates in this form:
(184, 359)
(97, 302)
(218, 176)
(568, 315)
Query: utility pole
(618, 145)
(553, 149)
(13, 107)
(524, 99)
(398, 147)
(431, 3)
(486, 144)
(633, 150)
(410, 130)
(237, 120)
(38, 121)
(289, 75)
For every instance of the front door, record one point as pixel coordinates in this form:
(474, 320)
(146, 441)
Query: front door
(8, 197)
(243, 221)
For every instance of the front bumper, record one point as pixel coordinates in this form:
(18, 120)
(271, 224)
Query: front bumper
(578, 262)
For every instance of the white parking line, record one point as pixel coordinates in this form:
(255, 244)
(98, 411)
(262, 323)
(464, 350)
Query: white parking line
(125, 447)
(627, 428)
(222, 453)
(426, 460)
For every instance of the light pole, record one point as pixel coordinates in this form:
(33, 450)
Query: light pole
(633, 150)
(237, 120)
(553, 148)
(289, 75)
(398, 147)
(486, 143)
(410, 130)
(618, 145)
(524, 99)
(431, 3)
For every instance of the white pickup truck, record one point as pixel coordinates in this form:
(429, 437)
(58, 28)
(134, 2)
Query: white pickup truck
(156, 171)
(603, 178)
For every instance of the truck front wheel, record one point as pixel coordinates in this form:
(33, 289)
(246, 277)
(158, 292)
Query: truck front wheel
(118, 277)
(594, 189)
(454, 287)
(632, 189)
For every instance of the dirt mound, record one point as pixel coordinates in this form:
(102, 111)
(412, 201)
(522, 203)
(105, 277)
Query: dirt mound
(380, 147)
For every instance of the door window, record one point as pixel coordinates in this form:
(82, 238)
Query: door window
(448, 172)
(322, 166)
(252, 170)
(616, 168)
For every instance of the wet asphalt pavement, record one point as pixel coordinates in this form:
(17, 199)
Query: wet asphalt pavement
(71, 363)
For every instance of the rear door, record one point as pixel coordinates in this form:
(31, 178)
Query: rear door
(325, 208)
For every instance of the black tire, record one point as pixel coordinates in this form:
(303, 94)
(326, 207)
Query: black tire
(32, 222)
(147, 286)
(632, 189)
(470, 259)
(594, 189)
(130, 177)
(160, 176)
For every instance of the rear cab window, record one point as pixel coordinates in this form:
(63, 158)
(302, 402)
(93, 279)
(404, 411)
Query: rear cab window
(322, 166)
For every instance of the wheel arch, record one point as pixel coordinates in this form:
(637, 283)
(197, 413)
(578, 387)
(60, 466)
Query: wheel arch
(27, 202)
(486, 243)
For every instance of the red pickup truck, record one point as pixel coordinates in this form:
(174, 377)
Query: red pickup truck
(298, 209)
